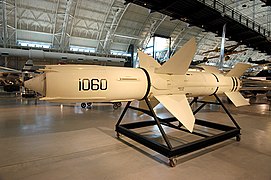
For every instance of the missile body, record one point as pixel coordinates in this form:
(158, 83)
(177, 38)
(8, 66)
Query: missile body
(169, 84)
(90, 83)
(193, 84)
(80, 83)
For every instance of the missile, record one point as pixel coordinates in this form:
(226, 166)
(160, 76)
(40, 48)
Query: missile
(169, 84)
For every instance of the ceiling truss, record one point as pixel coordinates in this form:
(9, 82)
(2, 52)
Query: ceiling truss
(114, 25)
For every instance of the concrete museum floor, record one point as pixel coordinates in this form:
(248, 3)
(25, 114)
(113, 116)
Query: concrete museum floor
(53, 141)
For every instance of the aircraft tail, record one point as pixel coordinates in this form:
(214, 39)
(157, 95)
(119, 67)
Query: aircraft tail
(28, 66)
(222, 48)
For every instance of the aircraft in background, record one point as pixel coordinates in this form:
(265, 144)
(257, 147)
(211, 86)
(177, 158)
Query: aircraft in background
(259, 72)
(223, 56)
(224, 51)
(10, 79)
(29, 67)
(229, 50)
(257, 80)
(263, 61)
(198, 62)
(255, 86)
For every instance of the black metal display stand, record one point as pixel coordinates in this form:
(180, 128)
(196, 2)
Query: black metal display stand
(166, 148)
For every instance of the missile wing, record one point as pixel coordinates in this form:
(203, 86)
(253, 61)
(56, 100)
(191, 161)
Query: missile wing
(179, 107)
(178, 64)
(147, 62)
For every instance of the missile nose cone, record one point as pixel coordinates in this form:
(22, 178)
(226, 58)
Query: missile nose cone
(36, 84)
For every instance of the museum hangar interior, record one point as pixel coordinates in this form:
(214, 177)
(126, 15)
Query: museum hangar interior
(135, 89)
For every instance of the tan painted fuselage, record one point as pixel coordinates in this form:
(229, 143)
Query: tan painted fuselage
(89, 83)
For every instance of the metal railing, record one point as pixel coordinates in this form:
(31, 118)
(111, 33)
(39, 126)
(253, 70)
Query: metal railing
(237, 16)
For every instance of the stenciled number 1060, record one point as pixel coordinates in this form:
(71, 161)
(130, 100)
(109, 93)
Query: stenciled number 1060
(92, 84)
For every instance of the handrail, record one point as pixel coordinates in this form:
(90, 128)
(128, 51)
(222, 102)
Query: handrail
(237, 16)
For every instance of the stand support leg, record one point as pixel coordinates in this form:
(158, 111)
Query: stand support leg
(193, 101)
(123, 113)
(199, 108)
(158, 124)
(228, 113)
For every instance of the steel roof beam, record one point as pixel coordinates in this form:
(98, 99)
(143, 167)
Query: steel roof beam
(63, 24)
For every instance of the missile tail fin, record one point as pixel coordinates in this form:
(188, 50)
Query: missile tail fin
(237, 99)
(147, 62)
(179, 63)
(179, 107)
(238, 70)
